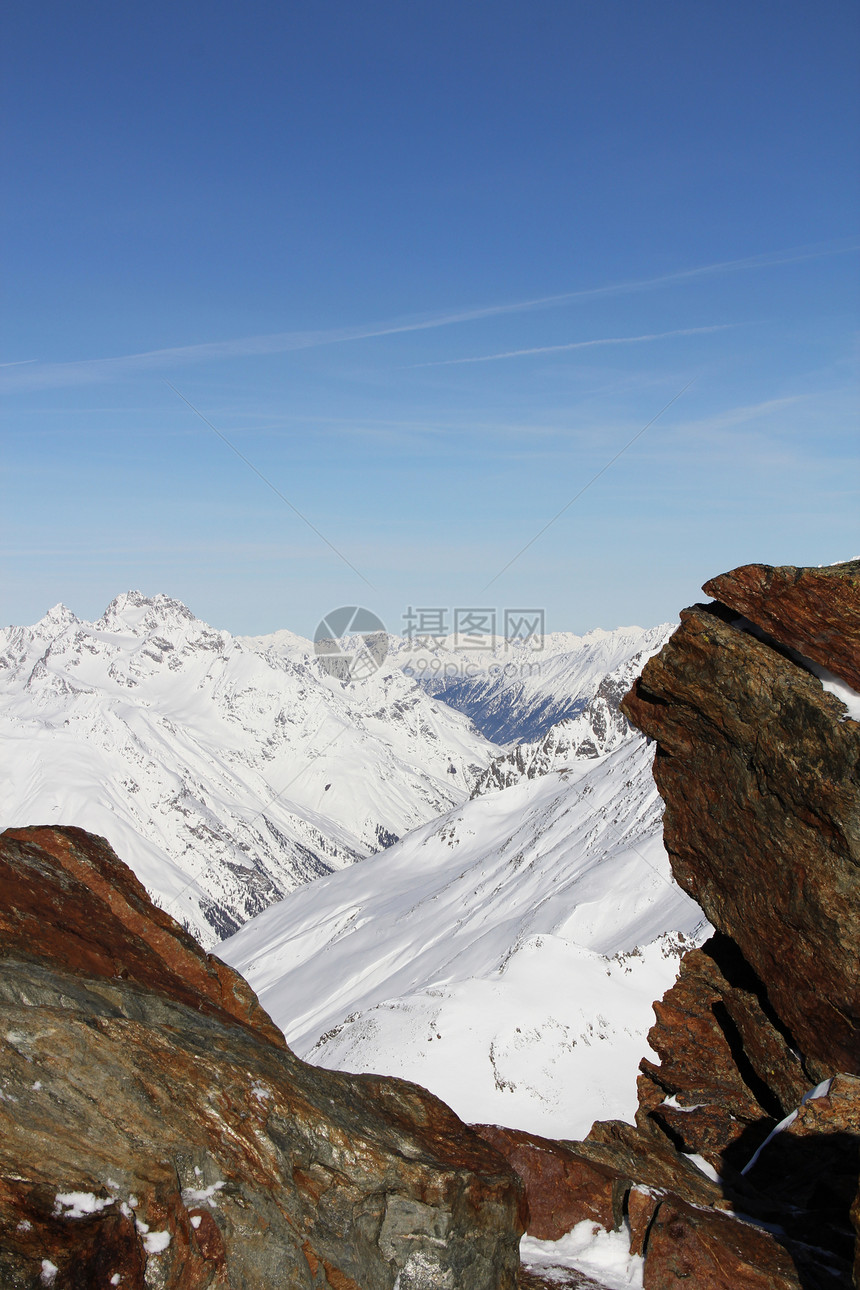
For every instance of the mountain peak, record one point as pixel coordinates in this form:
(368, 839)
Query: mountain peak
(58, 617)
(133, 611)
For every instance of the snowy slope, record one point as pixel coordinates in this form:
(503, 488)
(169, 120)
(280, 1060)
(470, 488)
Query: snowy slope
(505, 956)
(598, 728)
(504, 953)
(225, 772)
(514, 692)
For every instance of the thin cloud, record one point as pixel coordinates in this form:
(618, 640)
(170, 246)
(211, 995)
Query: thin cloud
(85, 371)
(744, 413)
(580, 344)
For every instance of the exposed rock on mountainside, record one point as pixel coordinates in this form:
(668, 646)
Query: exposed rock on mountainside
(815, 611)
(715, 1010)
(517, 690)
(759, 770)
(757, 1042)
(156, 1130)
(566, 1182)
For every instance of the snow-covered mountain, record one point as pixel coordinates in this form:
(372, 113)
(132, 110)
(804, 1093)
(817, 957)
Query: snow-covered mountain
(504, 952)
(226, 772)
(505, 956)
(599, 727)
(514, 691)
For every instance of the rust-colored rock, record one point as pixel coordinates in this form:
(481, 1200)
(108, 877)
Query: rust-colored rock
(689, 1247)
(836, 1109)
(562, 1186)
(726, 1074)
(154, 1125)
(813, 611)
(638, 1156)
(642, 1204)
(66, 896)
(758, 768)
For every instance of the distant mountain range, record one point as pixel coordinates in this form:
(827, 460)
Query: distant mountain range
(228, 771)
(231, 770)
(516, 693)
(520, 917)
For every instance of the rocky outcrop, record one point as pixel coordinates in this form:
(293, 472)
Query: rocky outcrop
(727, 1073)
(758, 768)
(754, 1084)
(814, 611)
(701, 1248)
(563, 1186)
(567, 1182)
(157, 1131)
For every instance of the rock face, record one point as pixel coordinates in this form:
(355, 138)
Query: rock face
(701, 1094)
(156, 1128)
(757, 1043)
(687, 1245)
(759, 770)
(567, 1182)
(562, 1186)
(815, 611)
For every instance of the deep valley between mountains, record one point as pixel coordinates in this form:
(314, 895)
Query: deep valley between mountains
(538, 973)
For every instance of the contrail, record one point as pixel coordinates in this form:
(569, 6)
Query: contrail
(580, 344)
(39, 375)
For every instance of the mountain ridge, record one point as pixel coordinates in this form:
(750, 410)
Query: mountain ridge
(207, 762)
(230, 770)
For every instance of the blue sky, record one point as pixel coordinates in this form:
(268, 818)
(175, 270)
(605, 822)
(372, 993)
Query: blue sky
(429, 267)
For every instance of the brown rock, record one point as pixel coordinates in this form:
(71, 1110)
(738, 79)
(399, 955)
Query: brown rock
(696, 1062)
(726, 1073)
(639, 1156)
(758, 769)
(814, 611)
(562, 1186)
(618, 1172)
(709, 1251)
(642, 1204)
(835, 1110)
(66, 892)
(154, 1124)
